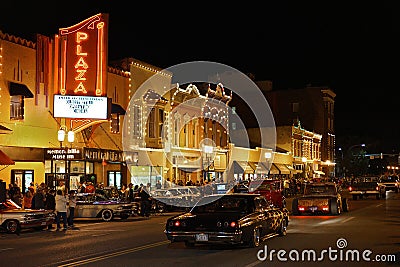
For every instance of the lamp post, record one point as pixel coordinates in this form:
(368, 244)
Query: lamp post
(71, 138)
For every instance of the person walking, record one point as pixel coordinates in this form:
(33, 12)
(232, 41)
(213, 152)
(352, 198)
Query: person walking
(61, 209)
(72, 204)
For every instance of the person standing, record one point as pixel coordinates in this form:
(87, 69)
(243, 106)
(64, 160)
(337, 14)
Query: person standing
(61, 209)
(50, 204)
(72, 204)
(145, 201)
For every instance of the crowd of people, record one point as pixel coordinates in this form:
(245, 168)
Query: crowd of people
(58, 200)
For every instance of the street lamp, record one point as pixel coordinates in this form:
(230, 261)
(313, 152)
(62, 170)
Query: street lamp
(61, 135)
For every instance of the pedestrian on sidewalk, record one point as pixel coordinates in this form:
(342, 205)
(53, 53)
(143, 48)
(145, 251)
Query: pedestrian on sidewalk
(72, 204)
(61, 209)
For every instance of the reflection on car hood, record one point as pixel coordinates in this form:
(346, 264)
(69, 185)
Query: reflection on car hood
(105, 202)
(24, 211)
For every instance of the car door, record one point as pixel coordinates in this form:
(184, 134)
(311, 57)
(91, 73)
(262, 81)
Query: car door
(264, 217)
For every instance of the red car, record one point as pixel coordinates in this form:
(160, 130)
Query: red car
(272, 190)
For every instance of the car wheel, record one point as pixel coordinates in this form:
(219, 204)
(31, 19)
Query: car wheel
(334, 207)
(383, 195)
(107, 215)
(283, 227)
(255, 238)
(378, 196)
(189, 244)
(345, 205)
(354, 197)
(295, 207)
(12, 226)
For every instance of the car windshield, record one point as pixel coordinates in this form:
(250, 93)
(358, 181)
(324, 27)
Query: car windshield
(222, 204)
(319, 189)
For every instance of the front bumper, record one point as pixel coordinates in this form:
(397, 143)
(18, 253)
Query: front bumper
(212, 237)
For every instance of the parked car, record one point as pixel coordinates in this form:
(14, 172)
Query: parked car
(235, 218)
(362, 187)
(13, 218)
(93, 205)
(391, 182)
(271, 189)
(320, 198)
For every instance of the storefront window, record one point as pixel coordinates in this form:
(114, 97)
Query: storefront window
(146, 174)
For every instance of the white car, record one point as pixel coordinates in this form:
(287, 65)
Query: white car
(391, 182)
(13, 218)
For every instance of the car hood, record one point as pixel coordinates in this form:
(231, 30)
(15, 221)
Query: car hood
(211, 217)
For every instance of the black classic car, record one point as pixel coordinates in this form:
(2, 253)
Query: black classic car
(320, 198)
(95, 205)
(234, 218)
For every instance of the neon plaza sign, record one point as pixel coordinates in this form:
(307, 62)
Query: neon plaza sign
(83, 70)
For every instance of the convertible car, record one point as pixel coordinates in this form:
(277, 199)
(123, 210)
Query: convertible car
(235, 218)
(94, 205)
(14, 218)
(319, 198)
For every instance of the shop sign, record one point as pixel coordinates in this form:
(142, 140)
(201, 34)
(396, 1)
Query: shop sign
(63, 154)
(103, 155)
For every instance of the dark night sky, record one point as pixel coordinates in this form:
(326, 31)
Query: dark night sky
(350, 47)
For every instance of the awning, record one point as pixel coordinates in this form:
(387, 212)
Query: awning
(117, 109)
(20, 89)
(282, 168)
(259, 167)
(319, 172)
(273, 169)
(190, 169)
(5, 160)
(242, 167)
(290, 167)
(4, 130)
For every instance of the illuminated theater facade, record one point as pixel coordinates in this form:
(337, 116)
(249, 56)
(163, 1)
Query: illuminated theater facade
(68, 114)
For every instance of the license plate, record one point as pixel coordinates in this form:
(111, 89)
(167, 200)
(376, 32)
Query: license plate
(201, 237)
(313, 208)
(43, 223)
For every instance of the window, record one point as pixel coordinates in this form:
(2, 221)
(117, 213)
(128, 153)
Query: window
(160, 122)
(295, 107)
(150, 124)
(115, 123)
(17, 107)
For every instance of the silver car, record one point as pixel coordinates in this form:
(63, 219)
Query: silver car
(94, 205)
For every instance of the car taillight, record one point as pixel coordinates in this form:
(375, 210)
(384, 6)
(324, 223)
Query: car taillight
(377, 188)
(233, 224)
(350, 188)
(177, 223)
(301, 208)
